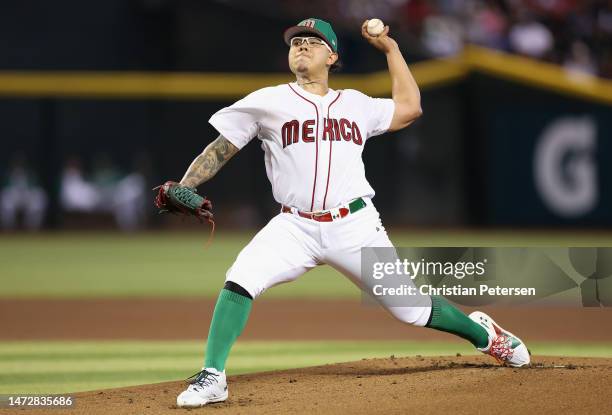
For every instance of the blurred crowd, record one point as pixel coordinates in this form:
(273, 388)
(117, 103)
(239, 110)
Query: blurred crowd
(23, 201)
(104, 191)
(574, 33)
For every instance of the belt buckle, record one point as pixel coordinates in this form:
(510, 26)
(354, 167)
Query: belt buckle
(335, 213)
(322, 216)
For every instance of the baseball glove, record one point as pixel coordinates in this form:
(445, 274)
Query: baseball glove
(173, 197)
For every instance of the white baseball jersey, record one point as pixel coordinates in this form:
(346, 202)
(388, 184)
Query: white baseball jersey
(312, 143)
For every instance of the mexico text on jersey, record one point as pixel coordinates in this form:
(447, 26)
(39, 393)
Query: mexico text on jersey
(333, 129)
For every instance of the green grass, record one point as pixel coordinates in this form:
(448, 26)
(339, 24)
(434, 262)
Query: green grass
(176, 264)
(62, 367)
(115, 265)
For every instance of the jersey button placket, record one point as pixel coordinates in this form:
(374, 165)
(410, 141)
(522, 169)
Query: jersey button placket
(318, 197)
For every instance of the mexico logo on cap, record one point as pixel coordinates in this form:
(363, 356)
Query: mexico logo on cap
(308, 23)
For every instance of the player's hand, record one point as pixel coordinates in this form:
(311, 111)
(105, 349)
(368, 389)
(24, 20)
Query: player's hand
(173, 197)
(381, 42)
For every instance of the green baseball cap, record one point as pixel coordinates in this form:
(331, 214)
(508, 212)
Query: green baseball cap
(315, 26)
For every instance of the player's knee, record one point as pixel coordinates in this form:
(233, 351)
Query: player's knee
(416, 316)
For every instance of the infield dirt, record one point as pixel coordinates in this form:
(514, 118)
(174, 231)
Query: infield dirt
(289, 319)
(416, 385)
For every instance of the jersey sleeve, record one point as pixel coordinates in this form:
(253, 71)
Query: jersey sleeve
(239, 123)
(380, 113)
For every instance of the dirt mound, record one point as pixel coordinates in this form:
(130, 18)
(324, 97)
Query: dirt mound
(468, 384)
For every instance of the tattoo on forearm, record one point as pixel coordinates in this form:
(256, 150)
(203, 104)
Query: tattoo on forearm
(207, 164)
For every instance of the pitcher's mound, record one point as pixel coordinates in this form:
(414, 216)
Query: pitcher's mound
(414, 385)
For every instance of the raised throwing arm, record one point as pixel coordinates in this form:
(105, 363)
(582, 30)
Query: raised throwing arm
(207, 164)
(404, 89)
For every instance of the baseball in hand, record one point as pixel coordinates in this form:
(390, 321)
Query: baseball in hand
(375, 27)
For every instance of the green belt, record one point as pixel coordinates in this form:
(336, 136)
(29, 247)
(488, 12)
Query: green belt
(356, 205)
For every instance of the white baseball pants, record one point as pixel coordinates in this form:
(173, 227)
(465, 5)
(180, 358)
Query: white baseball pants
(289, 245)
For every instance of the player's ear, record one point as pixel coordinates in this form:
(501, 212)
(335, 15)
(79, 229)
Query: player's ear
(332, 58)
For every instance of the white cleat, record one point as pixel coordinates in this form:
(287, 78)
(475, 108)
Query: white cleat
(503, 345)
(207, 386)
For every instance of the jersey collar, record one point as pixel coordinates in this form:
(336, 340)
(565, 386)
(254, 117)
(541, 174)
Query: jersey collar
(310, 95)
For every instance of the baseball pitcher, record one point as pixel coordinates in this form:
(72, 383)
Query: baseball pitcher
(313, 138)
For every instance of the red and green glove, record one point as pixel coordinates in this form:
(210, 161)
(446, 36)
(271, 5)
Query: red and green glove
(173, 197)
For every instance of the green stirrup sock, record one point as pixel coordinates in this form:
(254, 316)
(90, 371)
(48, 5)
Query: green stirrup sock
(230, 316)
(448, 318)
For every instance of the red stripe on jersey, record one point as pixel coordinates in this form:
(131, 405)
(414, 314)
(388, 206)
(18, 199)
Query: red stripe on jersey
(330, 150)
(314, 185)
